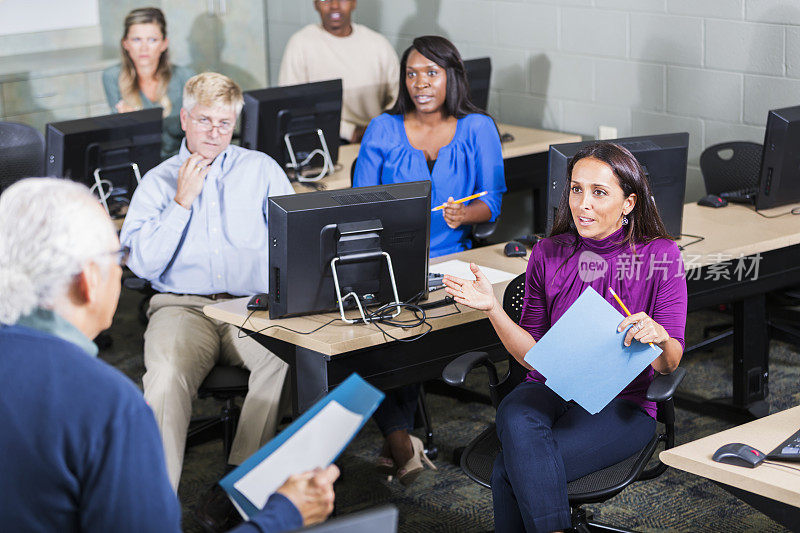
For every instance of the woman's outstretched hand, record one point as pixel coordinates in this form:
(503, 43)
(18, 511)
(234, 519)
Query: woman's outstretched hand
(477, 294)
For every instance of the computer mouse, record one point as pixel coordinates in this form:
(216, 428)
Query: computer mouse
(515, 249)
(712, 200)
(739, 454)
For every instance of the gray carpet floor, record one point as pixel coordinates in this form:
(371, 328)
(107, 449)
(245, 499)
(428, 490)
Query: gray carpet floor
(446, 500)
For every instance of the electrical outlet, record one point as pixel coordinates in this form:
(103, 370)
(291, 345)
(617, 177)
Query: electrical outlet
(606, 132)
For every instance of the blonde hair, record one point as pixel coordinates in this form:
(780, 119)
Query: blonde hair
(128, 79)
(212, 89)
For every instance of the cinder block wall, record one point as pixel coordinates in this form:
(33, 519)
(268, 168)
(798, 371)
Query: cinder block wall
(710, 67)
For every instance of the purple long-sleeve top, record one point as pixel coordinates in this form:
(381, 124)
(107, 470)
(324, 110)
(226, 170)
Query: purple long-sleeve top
(647, 277)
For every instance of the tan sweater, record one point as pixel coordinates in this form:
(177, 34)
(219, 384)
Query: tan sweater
(364, 60)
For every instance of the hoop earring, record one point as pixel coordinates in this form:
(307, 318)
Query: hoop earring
(624, 220)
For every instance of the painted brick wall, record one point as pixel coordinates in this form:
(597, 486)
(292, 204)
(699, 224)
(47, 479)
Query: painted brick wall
(710, 67)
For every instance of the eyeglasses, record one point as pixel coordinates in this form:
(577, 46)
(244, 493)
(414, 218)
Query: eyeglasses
(121, 255)
(205, 124)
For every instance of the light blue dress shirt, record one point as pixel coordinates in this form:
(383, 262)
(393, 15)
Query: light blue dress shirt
(472, 162)
(220, 244)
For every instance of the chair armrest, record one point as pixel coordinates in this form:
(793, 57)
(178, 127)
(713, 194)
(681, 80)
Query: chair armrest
(484, 230)
(136, 284)
(663, 386)
(456, 370)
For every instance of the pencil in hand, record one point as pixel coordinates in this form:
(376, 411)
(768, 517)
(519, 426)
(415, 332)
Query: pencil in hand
(622, 305)
(461, 200)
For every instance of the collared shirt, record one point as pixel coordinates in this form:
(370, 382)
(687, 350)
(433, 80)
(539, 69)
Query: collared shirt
(47, 321)
(220, 244)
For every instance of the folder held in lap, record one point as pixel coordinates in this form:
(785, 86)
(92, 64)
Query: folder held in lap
(583, 356)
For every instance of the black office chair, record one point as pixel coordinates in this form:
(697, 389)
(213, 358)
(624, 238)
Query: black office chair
(224, 383)
(730, 166)
(477, 459)
(726, 167)
(21, 153)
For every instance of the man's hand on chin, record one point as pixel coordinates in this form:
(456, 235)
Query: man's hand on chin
(191, 176)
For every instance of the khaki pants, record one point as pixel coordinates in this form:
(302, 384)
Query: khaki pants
(181, 346)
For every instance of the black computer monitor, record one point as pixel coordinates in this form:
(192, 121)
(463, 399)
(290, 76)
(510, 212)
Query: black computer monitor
(299, 111)
(307, 231)
(663, 158)
(479, 73)
(779, 179)
(76, 149)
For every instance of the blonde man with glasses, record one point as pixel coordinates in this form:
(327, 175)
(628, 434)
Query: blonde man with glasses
(197, 230)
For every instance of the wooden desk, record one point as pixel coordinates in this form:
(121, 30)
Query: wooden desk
(527, 141)
(729, 232)
(323, 359)
(771, 489)
(773, 246)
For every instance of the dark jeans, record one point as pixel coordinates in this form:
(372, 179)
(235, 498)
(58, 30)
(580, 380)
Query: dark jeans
(396, 411)
(548, 442)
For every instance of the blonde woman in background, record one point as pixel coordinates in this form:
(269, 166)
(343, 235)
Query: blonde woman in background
(145, 78)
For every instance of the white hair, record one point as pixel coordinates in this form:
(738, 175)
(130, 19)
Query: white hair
(49, 229)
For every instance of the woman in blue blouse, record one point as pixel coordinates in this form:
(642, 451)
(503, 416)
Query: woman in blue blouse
(434, 132)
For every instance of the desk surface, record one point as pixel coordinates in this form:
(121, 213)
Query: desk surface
(767, 480)
(735, 230)
(338, 337)
(526, 141)
(728, 231)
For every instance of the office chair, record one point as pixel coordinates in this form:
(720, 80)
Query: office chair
(477, 459)
(21, 153)
(739, 171)
(727, 167)
(224, 383)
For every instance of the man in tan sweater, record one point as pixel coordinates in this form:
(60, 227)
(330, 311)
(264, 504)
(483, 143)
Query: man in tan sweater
(339, 48)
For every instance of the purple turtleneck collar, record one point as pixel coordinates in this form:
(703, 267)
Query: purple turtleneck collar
(607, 247)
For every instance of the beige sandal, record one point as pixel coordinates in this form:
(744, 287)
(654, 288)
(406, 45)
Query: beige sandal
(414, 467)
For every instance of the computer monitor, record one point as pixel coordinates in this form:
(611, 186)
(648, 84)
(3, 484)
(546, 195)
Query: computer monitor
(479, 73)
(779, 179)
(116, 148)
(663, 158)
(357, 226)
(309, 114)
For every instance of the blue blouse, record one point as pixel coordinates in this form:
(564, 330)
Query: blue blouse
(471, 163)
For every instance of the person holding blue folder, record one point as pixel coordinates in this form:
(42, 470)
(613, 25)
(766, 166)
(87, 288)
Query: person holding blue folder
(607, 235)
(434, 132)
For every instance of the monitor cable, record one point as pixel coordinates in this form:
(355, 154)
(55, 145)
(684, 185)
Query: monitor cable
(795, 211)
(697, 238)
(251, 333)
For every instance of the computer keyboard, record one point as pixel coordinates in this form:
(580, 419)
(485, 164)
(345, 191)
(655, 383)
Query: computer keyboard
(789, 450)
(741, 196)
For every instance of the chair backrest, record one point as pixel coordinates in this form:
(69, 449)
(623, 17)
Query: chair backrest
(730, 166)
(512, 305)
(21, 153)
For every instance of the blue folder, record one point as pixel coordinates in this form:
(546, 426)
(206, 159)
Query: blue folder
(583, 356)
(354, 394)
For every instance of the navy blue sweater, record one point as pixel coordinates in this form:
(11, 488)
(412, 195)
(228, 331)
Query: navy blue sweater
(80, 449)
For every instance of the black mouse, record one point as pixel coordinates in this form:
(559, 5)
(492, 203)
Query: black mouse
(712, 200)
(739, 454)
(515, 249)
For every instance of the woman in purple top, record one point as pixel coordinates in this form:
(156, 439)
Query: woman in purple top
(607, 233)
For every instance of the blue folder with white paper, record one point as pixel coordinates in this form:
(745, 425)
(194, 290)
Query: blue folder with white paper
(583, 356)
(312, 441)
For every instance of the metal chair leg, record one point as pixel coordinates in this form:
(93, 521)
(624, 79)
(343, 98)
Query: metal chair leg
(430, 448)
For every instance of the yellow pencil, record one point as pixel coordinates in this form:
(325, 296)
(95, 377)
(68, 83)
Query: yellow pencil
(462, 200)
(622, 305)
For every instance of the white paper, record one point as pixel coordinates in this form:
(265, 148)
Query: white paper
(314, 445)
(460, 269)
